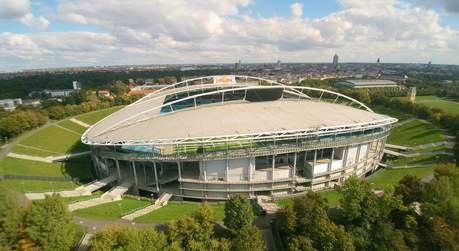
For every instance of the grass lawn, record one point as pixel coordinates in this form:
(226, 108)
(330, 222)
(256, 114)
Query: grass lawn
(390, 177)
(331, 196)
(447, 105)
(421, 160)
(13, 166)
(39, 185)
(175, 210)
(72, 126)
(416, 132)
(113, 210)
(55, 139)
(92, 117)
(434, 149)
(75, 168)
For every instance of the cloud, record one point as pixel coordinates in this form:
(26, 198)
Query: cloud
(180, 31)
(296, 9)
(35, 22)
(12, 9)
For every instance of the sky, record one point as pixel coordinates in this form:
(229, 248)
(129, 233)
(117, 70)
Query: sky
(65, 33)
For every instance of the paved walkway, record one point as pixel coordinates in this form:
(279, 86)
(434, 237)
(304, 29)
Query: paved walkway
(79, 122)
(160, 202)
(113, 195)
(84, 244)
(49, 159)
(387, 151)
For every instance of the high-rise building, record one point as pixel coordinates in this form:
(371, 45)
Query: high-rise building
(335, 60)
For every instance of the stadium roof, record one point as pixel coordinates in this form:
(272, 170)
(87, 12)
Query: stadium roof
(242, 118)
(146, 122)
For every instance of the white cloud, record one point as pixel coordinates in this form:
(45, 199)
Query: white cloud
(180, 31)
(35, 22)
(11, 9)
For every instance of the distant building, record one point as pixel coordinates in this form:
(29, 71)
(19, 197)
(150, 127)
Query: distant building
(10, 104)
(367, 83)
(76, 85)
(335, 60)
(32, 102)
(58, 93)
(237, 65)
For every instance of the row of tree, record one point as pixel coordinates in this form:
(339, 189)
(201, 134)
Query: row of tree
(19, 121)
(193, 232)
(413, 216)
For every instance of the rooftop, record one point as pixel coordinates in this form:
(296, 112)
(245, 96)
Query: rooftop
(238, 119)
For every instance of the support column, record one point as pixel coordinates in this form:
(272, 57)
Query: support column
(179, 170)
(156, 177)
(204, 167)
(135, 173)
(329, 166)
(106, 167)
(273, 166)
(314, 162)
(117, 164)
(295, 157)
(227, 170)
(144, 172)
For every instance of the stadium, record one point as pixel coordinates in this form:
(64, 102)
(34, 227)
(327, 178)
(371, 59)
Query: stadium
(211, 137)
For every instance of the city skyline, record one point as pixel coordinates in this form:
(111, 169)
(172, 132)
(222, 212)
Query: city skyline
(42, 34)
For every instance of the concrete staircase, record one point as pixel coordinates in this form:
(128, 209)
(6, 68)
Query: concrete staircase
(160, 202)
(266, 204)
(113, 195)
(84, 190)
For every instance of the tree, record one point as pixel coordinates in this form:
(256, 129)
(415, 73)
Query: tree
(300, 243)
(410, 188)
(312, 225)
(49, 224)
(128, 239)
(195, 232)
(248, 239)
(56, 112)
(238, 213)
(436, 234)
(10, 219)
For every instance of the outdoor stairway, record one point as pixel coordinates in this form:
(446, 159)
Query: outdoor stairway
(387, 151)
(160, 202)
(405, 148)
(266, 204)
(113, 195)
(96, 185)
(84, 190)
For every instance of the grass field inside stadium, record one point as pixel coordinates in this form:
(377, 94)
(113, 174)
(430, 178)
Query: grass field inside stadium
(416, 132)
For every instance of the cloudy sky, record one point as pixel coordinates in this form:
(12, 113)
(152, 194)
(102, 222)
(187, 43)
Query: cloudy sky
(58, 33)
